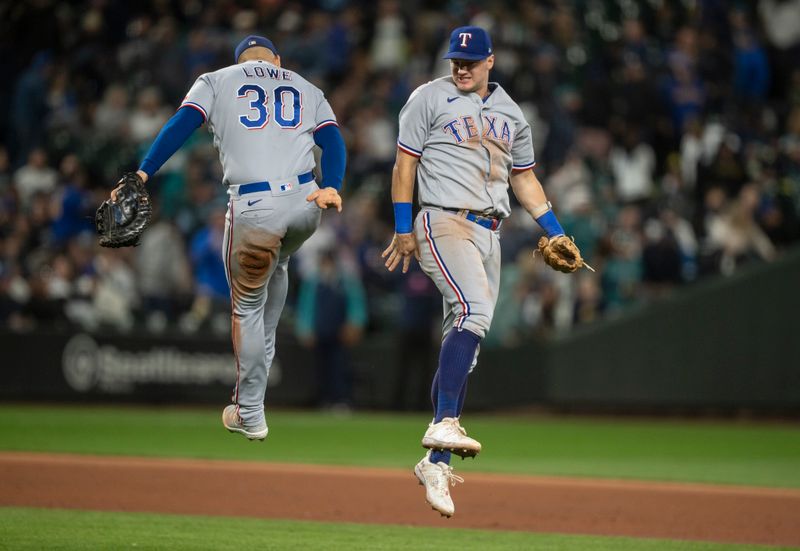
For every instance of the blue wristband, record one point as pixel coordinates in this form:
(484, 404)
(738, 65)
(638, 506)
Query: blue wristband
(402, 218)
(549, 224)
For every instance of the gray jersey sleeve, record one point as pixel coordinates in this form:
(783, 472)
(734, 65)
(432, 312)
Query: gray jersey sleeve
(324, 115)
(415, 123)
(522, 156)
(200, 96)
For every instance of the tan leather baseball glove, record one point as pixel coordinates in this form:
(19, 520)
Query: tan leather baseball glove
(561, 253)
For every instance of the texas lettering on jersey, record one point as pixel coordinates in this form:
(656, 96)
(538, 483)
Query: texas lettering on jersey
(468, 147)
(494, 128)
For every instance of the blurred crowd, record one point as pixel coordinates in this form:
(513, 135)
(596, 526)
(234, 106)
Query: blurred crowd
(667, 135)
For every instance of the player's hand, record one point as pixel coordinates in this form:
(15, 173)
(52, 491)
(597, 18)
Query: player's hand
(326, 197)
(142, 175)
(402, 247)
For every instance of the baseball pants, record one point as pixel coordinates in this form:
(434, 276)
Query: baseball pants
(463, 260)
(262, 230)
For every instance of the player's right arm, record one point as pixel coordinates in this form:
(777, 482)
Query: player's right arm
(414, 131)
(191, 115)
(403, 244)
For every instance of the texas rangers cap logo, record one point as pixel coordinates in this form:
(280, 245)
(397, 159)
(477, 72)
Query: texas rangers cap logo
(470, 43)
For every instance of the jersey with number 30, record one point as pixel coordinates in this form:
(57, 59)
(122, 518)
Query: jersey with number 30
(263, 120)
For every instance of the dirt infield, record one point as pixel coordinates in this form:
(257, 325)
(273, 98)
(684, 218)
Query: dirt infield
(496, 502)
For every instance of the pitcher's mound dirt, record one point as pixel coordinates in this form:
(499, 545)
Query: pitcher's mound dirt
(497, 502)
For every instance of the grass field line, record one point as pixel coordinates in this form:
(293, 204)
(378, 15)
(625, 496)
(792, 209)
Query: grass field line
(263, 467)
(671, 452)
(390, 496)
(90, 530)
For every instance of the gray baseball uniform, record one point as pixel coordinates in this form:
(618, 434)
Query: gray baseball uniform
(467, 148)
(262, 118)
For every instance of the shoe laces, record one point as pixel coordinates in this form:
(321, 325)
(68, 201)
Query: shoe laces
(457, 425)
(449, 475)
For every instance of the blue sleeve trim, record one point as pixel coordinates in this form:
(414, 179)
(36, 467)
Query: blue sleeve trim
(171, 138)
(550, 224)
(334, 155)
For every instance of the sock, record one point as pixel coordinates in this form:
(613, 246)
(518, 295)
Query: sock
(435, 391)
(444, 456)
(463, 350)
(461, 397)
(440, 456)
(455, 359)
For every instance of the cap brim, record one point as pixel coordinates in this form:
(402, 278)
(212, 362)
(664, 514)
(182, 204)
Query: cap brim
(467, 57)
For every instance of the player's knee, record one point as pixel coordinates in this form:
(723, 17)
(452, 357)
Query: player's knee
(254, 262)
(477, 323)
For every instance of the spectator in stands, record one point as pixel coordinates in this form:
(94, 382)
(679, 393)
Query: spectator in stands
(751, 68)
(714, 89)
(212, 293)
(29, 104)
(115, 295)
(148, 117)
(737, 234)
(633, 164)
(331, 316)
(34, 177)
(112, 118)
(75, 206)
(5, 172)
(622, 273)
(417, 338)
(163, 274)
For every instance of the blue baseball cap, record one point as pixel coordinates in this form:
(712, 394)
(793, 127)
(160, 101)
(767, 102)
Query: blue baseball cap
(470, 43)
(251, 41)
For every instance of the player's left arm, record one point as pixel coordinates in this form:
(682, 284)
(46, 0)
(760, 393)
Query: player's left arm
(530, 194)
(558, 251)
(526, 186)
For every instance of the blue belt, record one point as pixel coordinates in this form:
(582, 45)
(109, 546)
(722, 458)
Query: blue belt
(265, 186)
(488, 222)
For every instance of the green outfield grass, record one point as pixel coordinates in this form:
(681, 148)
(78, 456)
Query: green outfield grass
(80, 530)
(715, 452)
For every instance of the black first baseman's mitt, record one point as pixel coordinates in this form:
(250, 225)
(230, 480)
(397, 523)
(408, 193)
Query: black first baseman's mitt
(120, 223)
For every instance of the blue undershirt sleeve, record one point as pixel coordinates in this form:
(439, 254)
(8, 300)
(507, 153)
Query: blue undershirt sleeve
(172, 136)
(334, 156)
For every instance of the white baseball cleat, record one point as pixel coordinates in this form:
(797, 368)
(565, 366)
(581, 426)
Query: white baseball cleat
(232, 422)
(448, 434)
(437, 479)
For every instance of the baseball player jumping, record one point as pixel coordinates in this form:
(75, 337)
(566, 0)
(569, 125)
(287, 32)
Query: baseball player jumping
(464, 139)
(265, 121)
